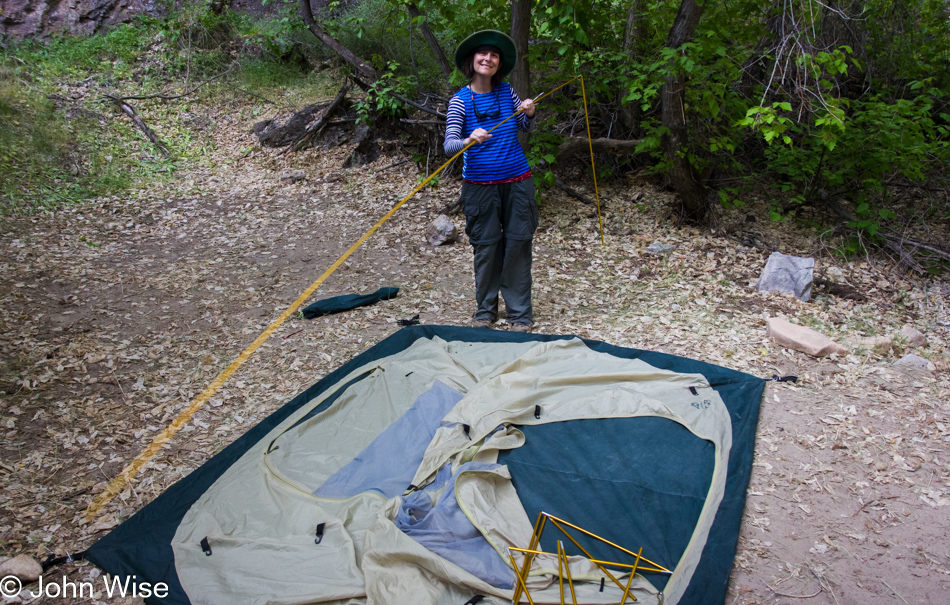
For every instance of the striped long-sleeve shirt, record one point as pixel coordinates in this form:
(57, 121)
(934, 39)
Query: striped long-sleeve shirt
(500, 157)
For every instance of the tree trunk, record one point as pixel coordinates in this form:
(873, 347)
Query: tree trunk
(682, 175)
(433, 43)
(632, 47)
(520, 76)
(361, 66)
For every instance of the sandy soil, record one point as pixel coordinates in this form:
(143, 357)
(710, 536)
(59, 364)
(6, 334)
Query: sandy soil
(116, 313)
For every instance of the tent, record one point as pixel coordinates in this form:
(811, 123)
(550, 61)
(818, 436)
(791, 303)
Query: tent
(406, 475)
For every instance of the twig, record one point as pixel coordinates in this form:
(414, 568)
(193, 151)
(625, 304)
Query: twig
(407, 121)
(119, 384)
(247, 92)
(171, 97)
(416, 105)
(807, 596)
(452, 207)
(129, 111)
(560, 185)
(393, 165)
(894, 591)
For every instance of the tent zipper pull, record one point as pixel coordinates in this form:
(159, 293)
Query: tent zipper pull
(537, 412)
(693, 391)
(206, 546)
(602, 584)
(319, 537)
(467, 430)
(476, 599)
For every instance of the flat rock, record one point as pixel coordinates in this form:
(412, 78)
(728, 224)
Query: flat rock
(289, 177)
(881, 345)
(788, 275)
(660, 249)
(441, 231)
(23, 567)
(912, 336)
(802, 339)
(915, 361)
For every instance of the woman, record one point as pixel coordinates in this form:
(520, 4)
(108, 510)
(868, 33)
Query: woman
(501, 214)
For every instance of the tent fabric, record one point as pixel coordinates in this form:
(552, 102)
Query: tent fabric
(386, 465)
(255, 500)
(441, 526)
(345, 302)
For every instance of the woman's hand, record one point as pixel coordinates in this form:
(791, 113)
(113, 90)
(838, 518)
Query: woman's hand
(479, 135)
(527, 106)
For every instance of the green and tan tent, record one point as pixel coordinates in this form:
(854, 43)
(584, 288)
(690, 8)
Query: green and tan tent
(406, 475)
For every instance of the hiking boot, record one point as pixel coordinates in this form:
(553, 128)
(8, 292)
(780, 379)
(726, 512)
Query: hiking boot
(481, 323)
(519, 326)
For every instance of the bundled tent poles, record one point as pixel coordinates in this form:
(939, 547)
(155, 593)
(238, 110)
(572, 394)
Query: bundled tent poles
(117, 485)
(640, 563)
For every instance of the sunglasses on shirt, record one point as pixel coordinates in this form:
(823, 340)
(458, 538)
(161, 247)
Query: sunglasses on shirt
(490, 113)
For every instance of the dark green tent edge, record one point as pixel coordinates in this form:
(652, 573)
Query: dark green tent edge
(141, 546)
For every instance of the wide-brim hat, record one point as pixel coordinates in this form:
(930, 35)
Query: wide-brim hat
(509, 54)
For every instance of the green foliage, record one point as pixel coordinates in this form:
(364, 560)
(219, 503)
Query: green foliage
(61, 141)
(379, 100)
(42, 164)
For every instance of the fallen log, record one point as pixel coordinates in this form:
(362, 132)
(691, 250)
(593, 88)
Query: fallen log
(313, 129)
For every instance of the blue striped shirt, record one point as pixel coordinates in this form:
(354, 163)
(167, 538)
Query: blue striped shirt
(501, 156)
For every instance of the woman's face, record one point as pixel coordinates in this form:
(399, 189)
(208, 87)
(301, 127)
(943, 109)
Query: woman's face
(486, 62)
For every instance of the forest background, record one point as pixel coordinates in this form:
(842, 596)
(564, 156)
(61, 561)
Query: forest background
(836, 112)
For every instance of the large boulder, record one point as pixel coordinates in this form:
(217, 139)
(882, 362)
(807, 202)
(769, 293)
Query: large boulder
(800, 338)
(788, 275)
(39, 18)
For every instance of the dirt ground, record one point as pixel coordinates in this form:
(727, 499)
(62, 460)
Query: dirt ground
(115, 314)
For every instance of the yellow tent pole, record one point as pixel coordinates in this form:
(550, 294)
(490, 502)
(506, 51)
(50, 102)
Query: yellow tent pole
(590, 144)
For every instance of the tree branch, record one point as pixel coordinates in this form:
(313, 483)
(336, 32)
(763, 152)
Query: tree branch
(171, 97)
(431, 40)
(572, 145)
(129, 111)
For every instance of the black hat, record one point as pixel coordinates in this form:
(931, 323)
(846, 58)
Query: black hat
(488, 37)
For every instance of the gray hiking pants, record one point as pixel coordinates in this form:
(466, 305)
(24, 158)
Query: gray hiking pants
(500, 221)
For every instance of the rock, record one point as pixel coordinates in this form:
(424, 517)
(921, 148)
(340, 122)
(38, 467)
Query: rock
(881, 345)
(367, 150)
(441, 231)
(802, 339)
(660, 249)
(836, 272)
(40, 18)
(912, 336)
(915, 361)
(23, 567)
(788, 275)
(289, 177)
